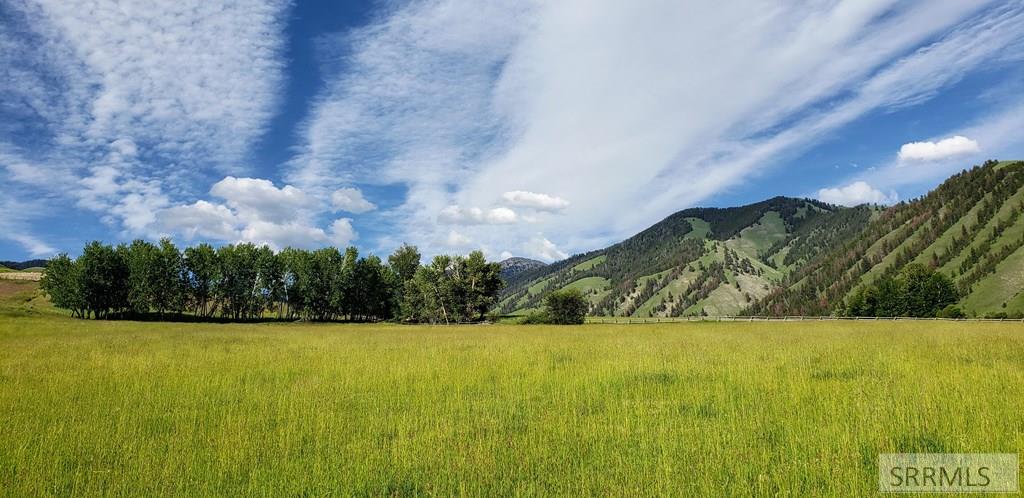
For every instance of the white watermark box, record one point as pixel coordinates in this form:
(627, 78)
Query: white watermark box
(948, 473)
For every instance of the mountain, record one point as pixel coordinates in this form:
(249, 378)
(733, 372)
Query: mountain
(24, 265)
(512, 267)
(712, 260)
(969, 228)
(800, 256)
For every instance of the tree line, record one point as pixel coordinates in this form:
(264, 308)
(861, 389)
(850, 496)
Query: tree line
(916, 291)
(245, 282)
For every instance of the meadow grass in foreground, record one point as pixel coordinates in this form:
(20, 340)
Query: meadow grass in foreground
(150, 409)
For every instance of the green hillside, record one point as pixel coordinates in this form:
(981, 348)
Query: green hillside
(969, 228)
(788, 256)
(702, 260)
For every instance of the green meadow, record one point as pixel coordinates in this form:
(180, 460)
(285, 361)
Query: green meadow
(94, 408)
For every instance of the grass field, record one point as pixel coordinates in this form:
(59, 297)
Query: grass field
(150, 409)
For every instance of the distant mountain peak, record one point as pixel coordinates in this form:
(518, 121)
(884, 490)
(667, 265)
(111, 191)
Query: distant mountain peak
(515, 265)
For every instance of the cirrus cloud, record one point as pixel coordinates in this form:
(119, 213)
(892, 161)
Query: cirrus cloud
(457, 105)
(130, 107)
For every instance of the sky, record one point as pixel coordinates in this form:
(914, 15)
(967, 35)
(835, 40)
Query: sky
(519, 128)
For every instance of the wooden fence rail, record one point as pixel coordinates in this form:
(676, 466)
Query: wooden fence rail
(629, 320)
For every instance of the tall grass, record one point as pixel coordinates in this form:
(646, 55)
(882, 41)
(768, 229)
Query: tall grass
(149, 409)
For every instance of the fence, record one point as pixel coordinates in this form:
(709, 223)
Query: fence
(684, 319)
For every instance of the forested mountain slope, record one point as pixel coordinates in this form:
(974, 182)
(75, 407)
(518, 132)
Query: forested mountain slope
(514, 266)
(789, 256)
(969, 228)
(701, 260)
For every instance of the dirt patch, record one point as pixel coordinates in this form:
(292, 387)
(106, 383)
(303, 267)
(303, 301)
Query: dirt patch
(9, 288)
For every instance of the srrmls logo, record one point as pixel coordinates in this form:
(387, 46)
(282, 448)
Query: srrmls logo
(948, 473)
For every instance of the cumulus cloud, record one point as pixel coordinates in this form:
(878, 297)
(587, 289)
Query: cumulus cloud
(201, 219)
(278, 235)
(342, 234)
(255, 211)
(259, 199)
(943, 149)
(295, 234)
(351, 200)
(856, 193)
(543, 249)
(455, 215)
(540, 202)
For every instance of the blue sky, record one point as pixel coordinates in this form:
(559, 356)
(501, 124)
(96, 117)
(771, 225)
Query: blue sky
(535, 129)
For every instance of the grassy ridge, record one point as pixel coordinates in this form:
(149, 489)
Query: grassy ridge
(793, 256)
(149, 409)
(639, 269)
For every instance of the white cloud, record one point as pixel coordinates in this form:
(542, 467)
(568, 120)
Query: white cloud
(856, 193)
(35, 247)
(259, 199)
(540, 202)
(543, 249)
(129, 105)
(943, 149)
(649, 116)
(299, 235)
(455, 215)
(999, 131)
(457, 240)
(16, 225)
(125, 147)
(280, 235)
(256, 211)
(460, 100)
(351, 200)
(342, 234)
(201, 219)
(138, 205)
